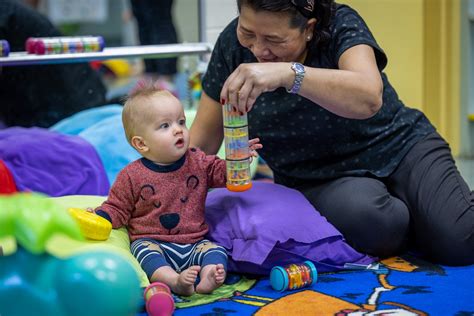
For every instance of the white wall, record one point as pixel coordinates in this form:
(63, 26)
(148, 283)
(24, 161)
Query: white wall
(216, 15)
(186, 20)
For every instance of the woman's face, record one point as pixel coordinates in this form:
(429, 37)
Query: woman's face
(269, 36)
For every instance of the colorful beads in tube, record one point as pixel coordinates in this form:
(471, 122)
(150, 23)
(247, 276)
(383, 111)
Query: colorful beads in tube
(237, 154)
(293, 276)
(64, 45)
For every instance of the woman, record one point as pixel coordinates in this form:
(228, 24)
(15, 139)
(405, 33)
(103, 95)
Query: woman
(310, 75)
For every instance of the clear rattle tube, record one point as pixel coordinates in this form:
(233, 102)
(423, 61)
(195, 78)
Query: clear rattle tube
(237, 153)
(64, 44)
(293, 276)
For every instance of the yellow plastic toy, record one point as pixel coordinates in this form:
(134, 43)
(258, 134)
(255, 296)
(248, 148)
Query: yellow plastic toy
(92, 225)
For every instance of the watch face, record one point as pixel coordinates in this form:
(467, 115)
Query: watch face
(299, 67)
(299, 75)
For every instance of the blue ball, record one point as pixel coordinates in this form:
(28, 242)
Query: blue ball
(98, 283)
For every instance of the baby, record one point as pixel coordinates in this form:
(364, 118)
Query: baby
(160, 197)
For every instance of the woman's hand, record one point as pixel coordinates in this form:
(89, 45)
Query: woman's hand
(250, 80)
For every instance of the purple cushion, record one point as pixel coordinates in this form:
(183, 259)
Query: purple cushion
(272, 225)
(51, 163)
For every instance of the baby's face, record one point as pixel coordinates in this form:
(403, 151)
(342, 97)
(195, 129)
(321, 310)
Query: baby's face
(164, 130)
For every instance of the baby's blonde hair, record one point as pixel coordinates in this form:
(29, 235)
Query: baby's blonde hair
(134, 112)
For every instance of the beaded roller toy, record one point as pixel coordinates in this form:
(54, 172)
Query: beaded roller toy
(64, 45)
(293, 276)
(237, 154)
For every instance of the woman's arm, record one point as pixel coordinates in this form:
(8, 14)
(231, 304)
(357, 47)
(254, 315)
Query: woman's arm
(207, 128)
(352, 91)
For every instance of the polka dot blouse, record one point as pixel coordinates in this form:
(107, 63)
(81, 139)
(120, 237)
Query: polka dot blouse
(303, 141)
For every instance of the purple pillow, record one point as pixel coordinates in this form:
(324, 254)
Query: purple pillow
(51, 163)
(272, 225)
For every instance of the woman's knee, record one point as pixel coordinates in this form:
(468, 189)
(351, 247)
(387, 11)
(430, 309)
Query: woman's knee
(378, 229)
(453, 246)
(371, 220)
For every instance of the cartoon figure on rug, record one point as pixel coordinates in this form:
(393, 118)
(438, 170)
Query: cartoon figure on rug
(160, 197)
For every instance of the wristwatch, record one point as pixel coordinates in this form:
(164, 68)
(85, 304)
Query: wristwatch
(299, 75)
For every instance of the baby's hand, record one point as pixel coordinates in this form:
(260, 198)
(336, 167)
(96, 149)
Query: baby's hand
(254, 144)
(90, 210)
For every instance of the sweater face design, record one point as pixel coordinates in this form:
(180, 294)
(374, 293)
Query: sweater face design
(165, 204)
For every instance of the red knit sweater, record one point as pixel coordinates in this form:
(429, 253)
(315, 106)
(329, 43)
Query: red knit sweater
(165, 203)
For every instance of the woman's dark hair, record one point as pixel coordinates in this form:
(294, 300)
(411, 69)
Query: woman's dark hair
(300, 12)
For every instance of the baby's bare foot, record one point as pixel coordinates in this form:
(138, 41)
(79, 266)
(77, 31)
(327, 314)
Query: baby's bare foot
(186, 279)
(212, 276)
